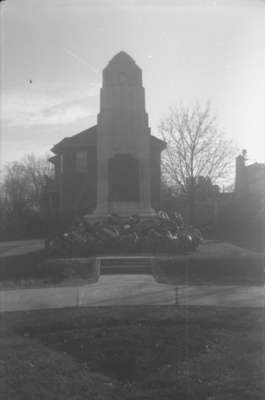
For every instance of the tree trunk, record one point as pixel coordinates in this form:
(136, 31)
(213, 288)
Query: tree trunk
(191, 203)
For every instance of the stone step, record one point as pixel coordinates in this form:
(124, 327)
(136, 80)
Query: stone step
(126, 265)
(122, 270)
(104, 261)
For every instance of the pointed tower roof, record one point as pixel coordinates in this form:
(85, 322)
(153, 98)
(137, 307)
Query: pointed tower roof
(122, 69)
(122, 57)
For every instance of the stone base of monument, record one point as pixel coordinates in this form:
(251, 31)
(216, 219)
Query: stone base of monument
(124, 210)
(90, 218)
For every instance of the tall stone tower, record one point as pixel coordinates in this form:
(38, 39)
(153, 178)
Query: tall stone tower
(123, 142)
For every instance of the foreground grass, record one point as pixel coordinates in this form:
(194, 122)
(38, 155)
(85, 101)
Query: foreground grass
(133, 353)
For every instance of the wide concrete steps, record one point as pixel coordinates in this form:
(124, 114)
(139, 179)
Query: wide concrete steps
(125, 265)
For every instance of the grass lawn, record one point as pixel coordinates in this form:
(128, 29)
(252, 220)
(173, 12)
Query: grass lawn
(133, 353)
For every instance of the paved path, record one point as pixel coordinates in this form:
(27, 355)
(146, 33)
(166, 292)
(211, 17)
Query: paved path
(144, 290)
(19, 247)
(221, 249)
(124, 290)
(130, 289)
(209, 248)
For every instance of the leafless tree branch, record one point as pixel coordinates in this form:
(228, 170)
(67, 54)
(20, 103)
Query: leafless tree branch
(195, 146)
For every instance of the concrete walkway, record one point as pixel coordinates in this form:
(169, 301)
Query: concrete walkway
(20, 247)
(133, 289)
(144, 290)
(125, 290)
(209, 248)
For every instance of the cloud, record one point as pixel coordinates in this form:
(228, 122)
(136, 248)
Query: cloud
(59, 114)
(34, 109)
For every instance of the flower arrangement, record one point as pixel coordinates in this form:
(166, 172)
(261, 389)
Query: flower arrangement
(133, 235)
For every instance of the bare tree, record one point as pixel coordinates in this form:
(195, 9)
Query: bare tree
(24, 181)
(195, 148)
(23, 189)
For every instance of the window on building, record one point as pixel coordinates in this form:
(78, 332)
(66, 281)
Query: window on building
(61, 164)
(81, 161)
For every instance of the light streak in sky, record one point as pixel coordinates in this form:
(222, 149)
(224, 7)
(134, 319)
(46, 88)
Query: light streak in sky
(81, 59)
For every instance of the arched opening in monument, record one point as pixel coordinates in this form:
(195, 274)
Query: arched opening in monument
(123, 178)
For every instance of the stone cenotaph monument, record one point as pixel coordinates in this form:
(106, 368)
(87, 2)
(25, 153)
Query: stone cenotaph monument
(123, 142)
(113, 166)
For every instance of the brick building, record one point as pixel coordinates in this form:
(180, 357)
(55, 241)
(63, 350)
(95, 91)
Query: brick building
(249, 179)
(74, 188)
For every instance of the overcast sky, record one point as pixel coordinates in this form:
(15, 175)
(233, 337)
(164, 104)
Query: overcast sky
(188, 50)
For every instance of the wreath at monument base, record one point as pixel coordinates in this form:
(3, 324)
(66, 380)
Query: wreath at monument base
(134, 235)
